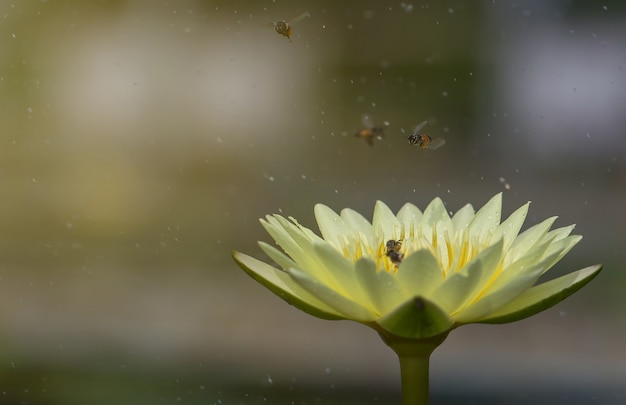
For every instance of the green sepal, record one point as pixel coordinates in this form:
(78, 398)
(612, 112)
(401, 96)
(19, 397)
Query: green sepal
(416, 318)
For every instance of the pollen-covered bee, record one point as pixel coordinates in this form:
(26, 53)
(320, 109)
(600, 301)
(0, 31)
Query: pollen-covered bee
(425, 141)
(284, 27)
(393, 251)
(370, 131)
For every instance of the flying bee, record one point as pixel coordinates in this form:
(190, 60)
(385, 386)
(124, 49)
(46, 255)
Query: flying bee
(370, 131)
(284, 27)
(393, 251)
(425, 141)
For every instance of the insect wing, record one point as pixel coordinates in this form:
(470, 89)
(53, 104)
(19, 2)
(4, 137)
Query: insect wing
(378, 132)
(435, 143)
(419, 127)
(367, 121)
(299, 17)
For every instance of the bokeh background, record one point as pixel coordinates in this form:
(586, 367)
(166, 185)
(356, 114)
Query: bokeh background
(140, 141)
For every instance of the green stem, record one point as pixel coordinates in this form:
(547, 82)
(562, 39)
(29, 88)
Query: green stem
(414, 374)
(414, 357)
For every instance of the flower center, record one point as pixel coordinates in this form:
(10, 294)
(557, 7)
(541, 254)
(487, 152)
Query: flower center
(453, 250)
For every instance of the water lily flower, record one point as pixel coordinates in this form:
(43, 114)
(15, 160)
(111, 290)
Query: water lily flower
(414, 276)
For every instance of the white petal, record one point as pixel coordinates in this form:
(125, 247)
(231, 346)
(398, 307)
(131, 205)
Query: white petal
(277, 256)
(528, 239)
(307, 260)
(437, 227)
(509, 229)
(435, 212)
(419, 274)
(339, 303)
(560, 233)
(331, 225)
(281, 284)
(523, 265)
(487, 219)
(301, 248)
(310, 235)
(543, 296)
(409, 216)
(464, 286)
(499, 298)
(463, 217)
(442, 241)
(508, 285)
(339, 273)
(356, 221)
(561, 248)
(386, 222)
(283, 239)
(382, 288)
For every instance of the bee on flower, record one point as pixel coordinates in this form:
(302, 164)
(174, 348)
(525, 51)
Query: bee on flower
(392, 248)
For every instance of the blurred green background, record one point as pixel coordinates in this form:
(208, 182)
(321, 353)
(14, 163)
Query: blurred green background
(141, 141)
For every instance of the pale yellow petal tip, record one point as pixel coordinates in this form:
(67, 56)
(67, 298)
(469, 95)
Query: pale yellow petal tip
(381, 206)
(322, 211)
(320, 206)
(496, 199)
(411, 208)
(587, 272)
(269, 218)
(437, 201)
